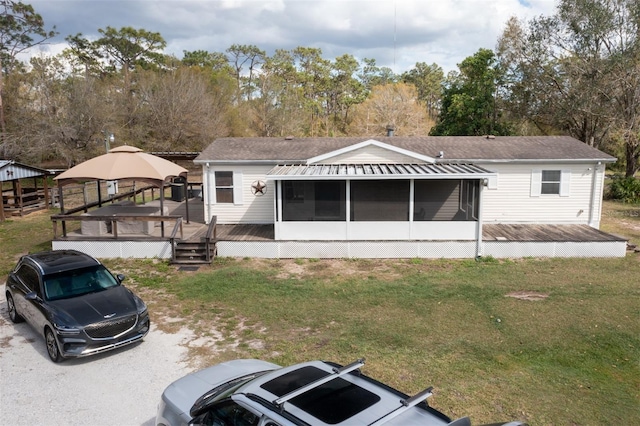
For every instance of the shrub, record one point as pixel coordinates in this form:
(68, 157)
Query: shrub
(625, 189)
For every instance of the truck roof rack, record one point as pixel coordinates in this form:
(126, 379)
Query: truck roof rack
(337, 372)
(405, 405)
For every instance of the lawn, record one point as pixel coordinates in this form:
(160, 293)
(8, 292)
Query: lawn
(550, 341)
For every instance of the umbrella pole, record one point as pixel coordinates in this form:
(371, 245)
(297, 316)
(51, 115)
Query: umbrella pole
(162, 209)
(61, 201)
(99, 194)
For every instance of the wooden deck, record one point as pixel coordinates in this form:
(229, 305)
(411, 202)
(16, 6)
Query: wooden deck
(493, 232)
(545, 233)
(196, 229)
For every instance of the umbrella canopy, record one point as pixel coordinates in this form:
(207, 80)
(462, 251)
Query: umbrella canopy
(124, 162)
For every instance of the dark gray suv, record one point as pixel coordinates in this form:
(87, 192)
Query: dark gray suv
(75, 303)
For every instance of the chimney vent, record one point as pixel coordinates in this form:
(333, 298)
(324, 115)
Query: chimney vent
(390, 130)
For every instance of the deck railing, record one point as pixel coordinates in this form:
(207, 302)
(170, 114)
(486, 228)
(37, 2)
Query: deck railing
(113, 221)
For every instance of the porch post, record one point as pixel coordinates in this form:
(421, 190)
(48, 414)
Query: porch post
(347, 206)
(277, 206)
(186, 196)
(162, 209)
(45, 187)
(479, 244)
(61, 201)
(2, 217)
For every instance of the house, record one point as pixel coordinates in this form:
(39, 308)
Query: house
(395, 196)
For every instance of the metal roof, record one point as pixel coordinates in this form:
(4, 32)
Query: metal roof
(377, 171)
(11, 170)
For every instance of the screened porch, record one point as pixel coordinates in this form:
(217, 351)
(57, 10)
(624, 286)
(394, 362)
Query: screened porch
(378, 202)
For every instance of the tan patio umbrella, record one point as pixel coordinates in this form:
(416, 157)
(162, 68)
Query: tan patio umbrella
(124, 162)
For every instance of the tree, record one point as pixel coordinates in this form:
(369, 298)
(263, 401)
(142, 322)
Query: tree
(215, 61)
(314, 75)
(394, 105)
(578, 72)
(428, 79)
(59, 116)
(83, 56)
(469, 100)
(249, 56)
(129, 48)
(19, 24)
(372, 75)
(180, 112)
(345, 91)
(277, 110)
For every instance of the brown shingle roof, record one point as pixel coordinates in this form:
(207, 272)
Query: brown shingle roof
(455, 148)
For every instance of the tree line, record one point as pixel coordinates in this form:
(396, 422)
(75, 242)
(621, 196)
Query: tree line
(576, 72)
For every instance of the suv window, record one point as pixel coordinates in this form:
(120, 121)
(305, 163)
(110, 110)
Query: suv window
(227, 413)
(332, 402)
(30, 278)
(78, 282)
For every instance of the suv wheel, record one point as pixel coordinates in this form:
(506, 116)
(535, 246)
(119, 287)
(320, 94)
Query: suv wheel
(13, 314)
(52, 346)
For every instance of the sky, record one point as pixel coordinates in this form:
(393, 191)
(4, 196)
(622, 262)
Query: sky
(396, 33)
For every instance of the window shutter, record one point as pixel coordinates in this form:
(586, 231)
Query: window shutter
(237, 189)
(536, 182)
(565, 181)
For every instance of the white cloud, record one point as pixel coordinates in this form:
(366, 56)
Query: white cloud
(397, 33)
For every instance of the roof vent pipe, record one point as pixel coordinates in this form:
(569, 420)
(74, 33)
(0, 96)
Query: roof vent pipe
(390, 130)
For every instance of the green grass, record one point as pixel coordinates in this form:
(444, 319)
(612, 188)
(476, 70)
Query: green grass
(570, 358)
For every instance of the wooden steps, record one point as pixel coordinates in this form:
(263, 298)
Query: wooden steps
(192, 253)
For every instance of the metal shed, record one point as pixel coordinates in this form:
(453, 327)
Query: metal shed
(19, 199)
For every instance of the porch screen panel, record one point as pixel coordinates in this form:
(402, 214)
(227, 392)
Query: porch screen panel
(446, 200)
(469, 200)
(313, 201)
(380, 200)
(436, 200)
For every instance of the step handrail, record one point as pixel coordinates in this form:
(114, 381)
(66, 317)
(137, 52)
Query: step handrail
(336, 372)
(211, 233)
(172, 238)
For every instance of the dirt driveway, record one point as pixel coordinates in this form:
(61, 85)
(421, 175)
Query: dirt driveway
(121, 387)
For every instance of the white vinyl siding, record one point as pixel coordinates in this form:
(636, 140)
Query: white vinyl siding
(371, 155)
(517, 198)
(246, 207)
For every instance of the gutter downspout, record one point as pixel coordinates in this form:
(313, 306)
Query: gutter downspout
(592, 203)
(206, 190)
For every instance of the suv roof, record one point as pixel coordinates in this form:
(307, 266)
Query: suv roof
(51, 262)
(320, 392)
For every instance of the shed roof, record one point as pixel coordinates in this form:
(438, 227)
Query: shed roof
(453, 148)
(11, 170)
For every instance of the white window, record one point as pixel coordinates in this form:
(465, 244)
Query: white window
(228, 187)
(224, 187)
(550, 182)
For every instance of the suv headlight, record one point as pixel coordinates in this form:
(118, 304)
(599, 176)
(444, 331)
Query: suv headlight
(141, 307)
(65, 330)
